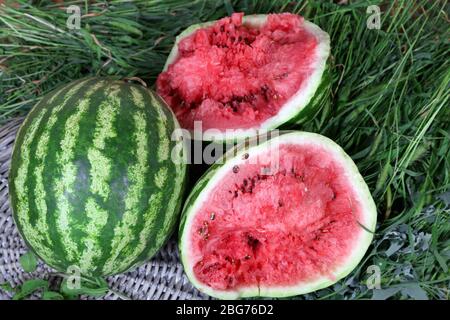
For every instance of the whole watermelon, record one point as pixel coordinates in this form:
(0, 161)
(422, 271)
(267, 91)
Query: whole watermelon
(97, 176)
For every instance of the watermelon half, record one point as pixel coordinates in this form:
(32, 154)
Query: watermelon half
(281, 218)
(232, 78)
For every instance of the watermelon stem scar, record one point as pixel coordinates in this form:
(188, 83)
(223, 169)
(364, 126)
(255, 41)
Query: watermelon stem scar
(297, 229)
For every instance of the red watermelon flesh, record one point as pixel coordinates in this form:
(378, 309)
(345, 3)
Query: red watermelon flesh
(296, 225)
(234, 76)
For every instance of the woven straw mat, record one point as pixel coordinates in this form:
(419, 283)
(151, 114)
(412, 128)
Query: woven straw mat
(160, 278)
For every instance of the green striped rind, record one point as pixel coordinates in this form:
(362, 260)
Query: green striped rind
(305, 105)
(320, 100)
(221, 168)
(92, 182)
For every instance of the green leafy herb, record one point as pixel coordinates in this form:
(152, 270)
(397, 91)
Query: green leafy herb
(52, 295)
(28, 262)
(29, 287)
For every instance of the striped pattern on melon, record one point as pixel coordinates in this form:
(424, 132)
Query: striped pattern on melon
(92, 180)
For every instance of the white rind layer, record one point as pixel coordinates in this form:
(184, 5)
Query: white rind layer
(216, 175)
(293, 106)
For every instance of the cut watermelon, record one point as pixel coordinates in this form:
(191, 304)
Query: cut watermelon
(300, 226)
(243, 75)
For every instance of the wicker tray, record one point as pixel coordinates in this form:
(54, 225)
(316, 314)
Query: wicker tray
(160, 278)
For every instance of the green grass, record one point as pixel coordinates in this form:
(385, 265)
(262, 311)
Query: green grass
(390, 108)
